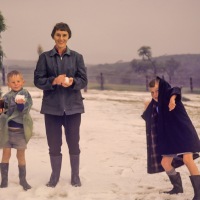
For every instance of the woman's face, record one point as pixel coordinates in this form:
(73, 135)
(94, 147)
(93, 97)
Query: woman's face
(61, 38)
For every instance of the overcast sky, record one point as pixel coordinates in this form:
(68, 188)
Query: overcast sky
(104, 31)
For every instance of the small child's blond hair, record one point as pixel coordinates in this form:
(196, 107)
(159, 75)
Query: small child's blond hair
(14, 73)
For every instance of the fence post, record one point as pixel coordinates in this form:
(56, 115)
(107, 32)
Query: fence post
(101, 81)
(85, 89)
(3, 76)
(147, 83)
(191, 84)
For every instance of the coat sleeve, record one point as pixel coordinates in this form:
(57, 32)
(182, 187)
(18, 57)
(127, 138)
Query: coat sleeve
(147, 112)
(80, 78)
(144, 115)
(3, 129)
(41, 78)
(175, 91)
(29, 102)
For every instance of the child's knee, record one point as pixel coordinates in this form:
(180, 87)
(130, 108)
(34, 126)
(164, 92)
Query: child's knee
(166, 163)
(187, 159)
(20, 155)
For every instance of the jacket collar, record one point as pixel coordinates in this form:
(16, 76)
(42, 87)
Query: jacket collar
(54, 52)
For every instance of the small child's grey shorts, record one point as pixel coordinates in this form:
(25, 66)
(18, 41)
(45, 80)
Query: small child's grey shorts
(16, 139)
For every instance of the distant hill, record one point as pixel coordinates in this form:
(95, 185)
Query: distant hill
(122, 72)
(26, 67)
(20, 63)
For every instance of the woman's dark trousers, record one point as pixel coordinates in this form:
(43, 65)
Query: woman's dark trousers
(71, 124)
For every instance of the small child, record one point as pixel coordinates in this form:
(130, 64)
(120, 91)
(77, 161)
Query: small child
(171, 137)
(15, 127)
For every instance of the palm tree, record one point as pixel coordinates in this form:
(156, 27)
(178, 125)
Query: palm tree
(145, 53)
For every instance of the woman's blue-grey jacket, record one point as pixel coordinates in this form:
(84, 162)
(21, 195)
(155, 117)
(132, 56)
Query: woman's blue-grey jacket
(58, 100)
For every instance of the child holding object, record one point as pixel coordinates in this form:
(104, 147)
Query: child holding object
(171, 137)
(15, 127)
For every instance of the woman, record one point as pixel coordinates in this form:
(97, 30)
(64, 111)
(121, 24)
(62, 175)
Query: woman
(61, 74)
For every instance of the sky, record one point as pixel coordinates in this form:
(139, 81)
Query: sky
(103, 31)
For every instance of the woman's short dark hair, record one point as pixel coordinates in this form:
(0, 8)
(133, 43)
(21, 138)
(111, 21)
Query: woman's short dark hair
(62, 27)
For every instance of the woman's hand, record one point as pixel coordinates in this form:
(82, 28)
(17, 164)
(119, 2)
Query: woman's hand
(59, 80)
(172, 103)
(69, 83)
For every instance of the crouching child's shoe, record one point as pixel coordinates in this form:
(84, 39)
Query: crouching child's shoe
(177, 184)
(195, 180)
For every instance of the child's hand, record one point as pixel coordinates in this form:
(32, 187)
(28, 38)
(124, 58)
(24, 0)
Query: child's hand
(146, 103)
(172, 103)
(20, 101)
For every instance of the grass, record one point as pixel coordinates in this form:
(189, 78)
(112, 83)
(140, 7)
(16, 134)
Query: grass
(117, 87)
(141, 88)
(122, 87)
(187, 90)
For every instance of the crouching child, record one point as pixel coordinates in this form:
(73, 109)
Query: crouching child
(171, 137)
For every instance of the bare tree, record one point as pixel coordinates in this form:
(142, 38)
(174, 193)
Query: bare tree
(171, 66)
(39, 50)
(141, 66)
